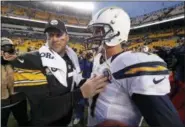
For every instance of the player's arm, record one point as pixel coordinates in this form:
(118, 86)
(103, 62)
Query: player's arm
(157, 110)
(64, 102)
(30, 60)
(148, 86)
(149, 89)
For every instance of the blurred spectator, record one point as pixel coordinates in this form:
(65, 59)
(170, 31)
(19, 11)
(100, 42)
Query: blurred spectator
(178, 84)
(10, 100)
(28, 49)
(17, 51)
(179, 53)
(175, 59)
(86, 64)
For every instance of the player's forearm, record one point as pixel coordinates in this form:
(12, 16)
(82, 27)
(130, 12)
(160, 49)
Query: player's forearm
(81, 83)
(7, 81)
(157, 110)
(29, 60)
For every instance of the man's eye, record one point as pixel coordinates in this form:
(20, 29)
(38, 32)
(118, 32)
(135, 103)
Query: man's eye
(58, 35)
(50, 35)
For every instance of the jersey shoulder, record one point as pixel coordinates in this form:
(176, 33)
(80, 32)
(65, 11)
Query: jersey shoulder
(137, 63)
(142, 72)
(130, 58)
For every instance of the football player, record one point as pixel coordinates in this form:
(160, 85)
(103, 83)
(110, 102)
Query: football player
(138, 81)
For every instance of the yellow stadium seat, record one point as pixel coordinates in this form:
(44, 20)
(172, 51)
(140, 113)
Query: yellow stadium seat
(4, 9)
(55, 16)
(83, 22)
(41, 15)
(18, 11)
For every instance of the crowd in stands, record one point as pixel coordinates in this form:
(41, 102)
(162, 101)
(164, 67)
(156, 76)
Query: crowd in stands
(33, 13)
(159, 15)
(158, 34)
(21, 11)
(26, 45)
(164, 38)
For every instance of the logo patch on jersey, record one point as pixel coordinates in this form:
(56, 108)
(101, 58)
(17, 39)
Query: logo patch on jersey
(158, 81)
(69, 66)
(48, 72)
(107, 73)
(21, 60)
(53, 69)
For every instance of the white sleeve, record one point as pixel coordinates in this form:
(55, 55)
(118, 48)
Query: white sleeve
(142, 76)
(149, 85)
(78, 75)
(77, 72)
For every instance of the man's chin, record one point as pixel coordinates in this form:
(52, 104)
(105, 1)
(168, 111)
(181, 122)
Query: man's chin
(59, 51)
(56, 50)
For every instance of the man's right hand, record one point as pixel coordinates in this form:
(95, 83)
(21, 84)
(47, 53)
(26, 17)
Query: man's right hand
(93, 86)
(7, 56)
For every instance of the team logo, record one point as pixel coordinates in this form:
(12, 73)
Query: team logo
(107, 73)
(69, 66)
(21, 60)
(54, 22)
(48, 72)
(53, 69)
(158, 81)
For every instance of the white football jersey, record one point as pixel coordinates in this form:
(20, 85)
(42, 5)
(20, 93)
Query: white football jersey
(132, 72)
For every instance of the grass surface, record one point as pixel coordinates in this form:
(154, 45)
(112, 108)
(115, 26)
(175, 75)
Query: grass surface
(12, 122)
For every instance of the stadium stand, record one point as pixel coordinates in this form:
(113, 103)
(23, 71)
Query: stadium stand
(153, 16)
(140, 37)
(178, 9)
(135, 37)
(41, 15)
(19, 11)
(161, 34)
(54, 16)
(36, 13)
(4, 9)
(159, 15)
(70, 20)
(83, 21)
(181, 31)
(134, 45)
(168, 43)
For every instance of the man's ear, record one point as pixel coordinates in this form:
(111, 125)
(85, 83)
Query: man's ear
(67, 37)
(2, 53)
